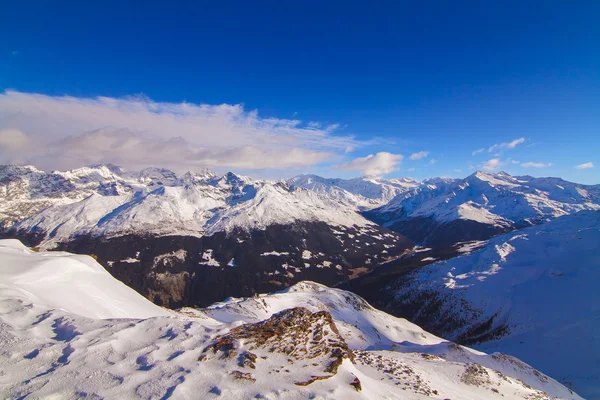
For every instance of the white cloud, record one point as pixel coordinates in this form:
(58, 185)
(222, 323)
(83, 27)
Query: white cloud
(378, 164)
(13, 140)
(536, 165)
(411, 169)
(458, 170)
(420, 155)
(515, 162)
(492, 165)
(506, 145)
(136, 132)
(478, 151)
(432, 161)
(585, 165)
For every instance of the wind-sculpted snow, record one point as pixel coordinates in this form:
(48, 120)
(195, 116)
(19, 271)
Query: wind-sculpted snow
(307, 342)
(531, 293)
(67, 281)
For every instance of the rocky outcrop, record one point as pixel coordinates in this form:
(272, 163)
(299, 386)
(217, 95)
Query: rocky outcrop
(311, 341)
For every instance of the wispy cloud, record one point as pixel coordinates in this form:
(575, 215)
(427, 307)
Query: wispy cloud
(536, 164)
(373, 164)
(506, 145)
(420, 155)
(136, 131)
(433, 161)
(585, 165)
(411, 169)
(478, 151)
(492, 165)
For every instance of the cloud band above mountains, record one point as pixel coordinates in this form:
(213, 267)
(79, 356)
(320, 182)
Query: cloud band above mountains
(65, 132)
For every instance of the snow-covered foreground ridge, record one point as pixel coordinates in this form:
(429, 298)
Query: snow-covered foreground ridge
(532, 293)
(308, 341)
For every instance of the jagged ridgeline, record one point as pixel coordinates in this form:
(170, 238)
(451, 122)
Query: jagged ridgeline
(196, 238)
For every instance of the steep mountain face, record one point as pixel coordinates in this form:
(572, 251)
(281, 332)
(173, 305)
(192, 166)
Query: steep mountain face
(306, 342)
(444, 212)
(531, 293)
(197, 238)
(363, 193)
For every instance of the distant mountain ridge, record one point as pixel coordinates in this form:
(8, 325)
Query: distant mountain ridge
(103, 200)
(443, 212)
(195, 238)
(363, 193)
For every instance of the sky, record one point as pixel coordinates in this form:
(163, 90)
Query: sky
(274, 89)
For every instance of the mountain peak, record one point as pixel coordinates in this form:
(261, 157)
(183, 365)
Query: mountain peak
(115, 169)
(14, 169)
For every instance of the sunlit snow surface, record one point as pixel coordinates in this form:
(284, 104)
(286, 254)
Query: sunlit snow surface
(105, 201)
(364, 193)
(541, 283)
(67, 329)
(495, 199)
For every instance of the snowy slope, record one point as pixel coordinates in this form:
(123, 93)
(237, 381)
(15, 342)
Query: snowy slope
(133, 221)
(483, 200)
(364, 193)
(531, 293)
(105, 201)
(307, 342)
(74, 283)
(498, 198)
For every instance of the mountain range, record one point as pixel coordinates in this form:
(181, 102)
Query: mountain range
(489, 261)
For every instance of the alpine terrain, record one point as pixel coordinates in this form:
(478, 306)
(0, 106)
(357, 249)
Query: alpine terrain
(531, 293)
(196, 238)
(497, 262)
(442, 212)
(308, 341)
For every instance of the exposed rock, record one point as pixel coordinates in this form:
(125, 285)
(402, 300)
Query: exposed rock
(356, 384)
(312, 338)
(475, 375)
(243, 376)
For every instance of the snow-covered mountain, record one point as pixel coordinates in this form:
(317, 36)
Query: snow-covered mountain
(443, 212)
(363, 193)
(196, 238)
(308, 341)
(531, 293)
(102, 200)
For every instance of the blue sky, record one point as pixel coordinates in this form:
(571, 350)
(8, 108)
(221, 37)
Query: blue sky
(293, 87)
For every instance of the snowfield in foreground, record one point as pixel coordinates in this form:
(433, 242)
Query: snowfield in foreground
(60, 337)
